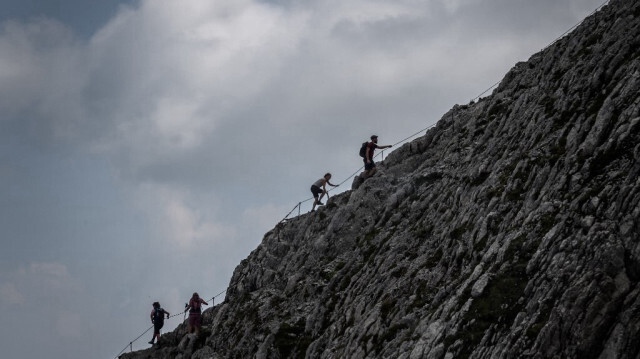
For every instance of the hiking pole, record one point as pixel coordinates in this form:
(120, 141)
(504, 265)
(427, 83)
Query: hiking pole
(184, 317)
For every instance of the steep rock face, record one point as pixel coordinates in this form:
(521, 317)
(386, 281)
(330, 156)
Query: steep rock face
(510, 230)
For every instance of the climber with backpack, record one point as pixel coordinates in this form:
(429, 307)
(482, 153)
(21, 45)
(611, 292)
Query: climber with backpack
(157, 318)
(318, 192)
(195, 313)
(366, 152)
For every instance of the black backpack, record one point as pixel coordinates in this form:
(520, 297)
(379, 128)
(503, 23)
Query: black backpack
(158, 316)
(363, 149)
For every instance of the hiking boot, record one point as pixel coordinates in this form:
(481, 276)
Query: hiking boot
(320, 203)
(151, 342)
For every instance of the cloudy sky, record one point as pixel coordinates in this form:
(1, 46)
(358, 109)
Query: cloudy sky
(147, 145)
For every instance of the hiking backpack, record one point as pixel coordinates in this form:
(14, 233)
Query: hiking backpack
(195, 306)
(363, 149)
(158, 315)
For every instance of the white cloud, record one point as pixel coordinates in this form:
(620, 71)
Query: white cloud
(9, 294)
(39, 72)
(186, 226)
(25, 284)
(70, 324)
(49, 296)
(177, 123)
(180, 220)
(202, 59)
(49, 269)
(454, 5)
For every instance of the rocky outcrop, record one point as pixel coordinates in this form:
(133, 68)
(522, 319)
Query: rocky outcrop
(510, 230)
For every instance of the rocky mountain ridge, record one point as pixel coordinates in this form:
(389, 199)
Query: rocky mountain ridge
(510, 230)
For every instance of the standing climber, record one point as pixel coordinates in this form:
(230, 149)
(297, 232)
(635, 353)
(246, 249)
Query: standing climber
(195, 313)
(369, 165)
(157, 318)
(316, 190)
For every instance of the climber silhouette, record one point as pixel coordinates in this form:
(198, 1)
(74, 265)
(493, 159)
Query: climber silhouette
(316, 190)
(157, 318)
(195, 313)
(369, 164)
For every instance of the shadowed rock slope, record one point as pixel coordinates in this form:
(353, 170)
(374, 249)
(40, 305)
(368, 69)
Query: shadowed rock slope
(510, 230)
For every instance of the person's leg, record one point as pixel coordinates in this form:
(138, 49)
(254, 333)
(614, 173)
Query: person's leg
(155, 334)
(369, 169)
(190, 324)
(320, 191)
(315, 191)
(158, 331)
(198, 324)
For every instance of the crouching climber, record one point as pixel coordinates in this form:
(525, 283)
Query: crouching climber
(318, 192)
